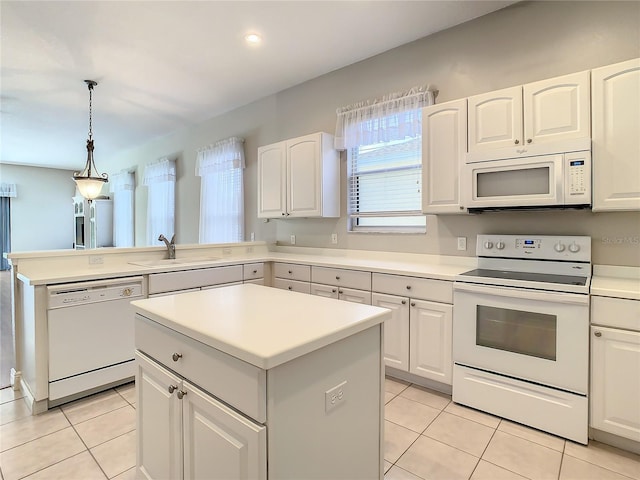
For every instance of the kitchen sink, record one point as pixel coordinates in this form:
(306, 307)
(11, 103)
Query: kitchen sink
(174, 261)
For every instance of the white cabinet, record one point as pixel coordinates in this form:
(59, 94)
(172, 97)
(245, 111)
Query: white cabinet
(549, 116)
(444, 147)
(293, 277)
(299, 177)
(253, 273)
(341, 293)
(189, 280)
(615, 366)
(184, 432)
(350, 285)
(418, 337)
(616, 149)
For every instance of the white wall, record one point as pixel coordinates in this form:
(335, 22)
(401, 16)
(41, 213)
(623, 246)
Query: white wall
(526, 42)
(42, 213)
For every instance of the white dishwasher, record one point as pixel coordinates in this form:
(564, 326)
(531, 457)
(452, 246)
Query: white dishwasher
(91, 339)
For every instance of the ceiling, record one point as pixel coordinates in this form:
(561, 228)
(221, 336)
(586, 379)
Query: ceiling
(165, 65)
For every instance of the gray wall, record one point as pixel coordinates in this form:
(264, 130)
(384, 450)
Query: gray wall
(42, 213)
(526, 42)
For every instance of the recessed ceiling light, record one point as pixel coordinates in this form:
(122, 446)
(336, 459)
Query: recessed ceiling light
(253, 38)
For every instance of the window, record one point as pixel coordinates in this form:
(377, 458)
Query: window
(7, 191)
(160, 178)
(383, 140)
(220, 167)
(122, 187)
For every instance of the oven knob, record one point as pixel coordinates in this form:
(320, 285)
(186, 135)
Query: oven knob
(488, 245)
(574, 247)
(559, 247)
(500, 245)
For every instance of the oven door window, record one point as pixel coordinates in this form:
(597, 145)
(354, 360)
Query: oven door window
(526, 333)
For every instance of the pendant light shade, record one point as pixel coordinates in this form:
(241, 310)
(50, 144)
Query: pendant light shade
(89, 181)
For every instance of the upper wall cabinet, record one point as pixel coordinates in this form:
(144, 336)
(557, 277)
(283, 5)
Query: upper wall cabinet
(549, 116)
(299, 177)
(616, 148)
(444, 146)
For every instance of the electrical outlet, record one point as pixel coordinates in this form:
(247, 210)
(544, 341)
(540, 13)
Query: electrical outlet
(334, 238)
(96, 260)
(293, 239)
(335, 396)
(462, 243)
(253, 236)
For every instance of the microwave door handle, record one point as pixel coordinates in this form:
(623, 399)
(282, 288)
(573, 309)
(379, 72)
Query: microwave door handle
(500, 291)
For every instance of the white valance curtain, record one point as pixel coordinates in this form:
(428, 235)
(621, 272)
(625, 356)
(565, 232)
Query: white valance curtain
(220, 167)
(160, 178)
(122, 185)
(8, 190)
(393, 117)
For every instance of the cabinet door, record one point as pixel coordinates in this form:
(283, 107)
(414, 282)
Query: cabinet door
(615, 381)
(396, 330)
(159, 421)
(616, 149)
(444, 147)
(219, 443)
(495, 120)
(304, 176)
(430, 327)
(557, 109)
(272, 181)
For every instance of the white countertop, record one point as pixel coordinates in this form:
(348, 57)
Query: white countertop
(263, 326)
(618, 282)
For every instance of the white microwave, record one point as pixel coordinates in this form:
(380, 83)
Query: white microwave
(546, 181)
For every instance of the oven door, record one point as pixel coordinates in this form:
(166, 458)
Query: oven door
(538, 336)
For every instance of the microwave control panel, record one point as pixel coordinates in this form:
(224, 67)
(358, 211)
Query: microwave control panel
(577, 177)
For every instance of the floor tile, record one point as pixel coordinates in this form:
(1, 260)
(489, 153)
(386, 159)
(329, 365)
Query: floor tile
(429, 458)
(620, 461)
(79, 467)
(576, 469)
(394, 385)
(9, 394)
(388, 396)
(41, 453)
(107, 426)
(523, 457)
(472, 414)
(489, 471)
(118, 455)
(397, 473)
(532, 434)
(31, 427)
(396, 440)
(128, 475)
(409, 414)
(458, 432)
(428, 397)
(387, 466)
(128, 392)
(92, 406)
(14, 410)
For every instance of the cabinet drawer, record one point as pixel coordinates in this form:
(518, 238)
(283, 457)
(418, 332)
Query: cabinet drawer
(292, 271)
(184, 279)
(235, 382)
(414, 287)
(343, 278)
(615, 312)
(293, 285)
(251, 271)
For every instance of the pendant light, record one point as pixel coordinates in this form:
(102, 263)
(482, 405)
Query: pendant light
(89, 181)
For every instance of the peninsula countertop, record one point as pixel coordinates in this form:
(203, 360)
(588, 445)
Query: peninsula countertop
(263, 326)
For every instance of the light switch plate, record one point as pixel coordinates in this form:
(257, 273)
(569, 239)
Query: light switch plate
(293, 239)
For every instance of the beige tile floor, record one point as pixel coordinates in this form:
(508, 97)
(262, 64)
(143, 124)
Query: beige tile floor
(426, 437)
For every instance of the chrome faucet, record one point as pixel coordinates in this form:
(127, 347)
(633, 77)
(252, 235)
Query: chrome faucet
(171, 246)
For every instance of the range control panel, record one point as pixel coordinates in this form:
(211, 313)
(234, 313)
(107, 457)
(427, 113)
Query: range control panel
(538, 247)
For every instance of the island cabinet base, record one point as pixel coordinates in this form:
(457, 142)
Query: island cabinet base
(324, 415)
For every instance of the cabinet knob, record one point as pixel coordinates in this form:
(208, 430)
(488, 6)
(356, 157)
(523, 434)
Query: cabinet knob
(404, 302)
(172, 388)
(408, 287)
(176, 356)
(597, 333)
(290, 272)
(517, 142)
(255, 271)
(290, 287)
(283, 214)
(340, 292)
(181, 393)
(337, 277)
(413, 304)
(529, 140)
(333, 290)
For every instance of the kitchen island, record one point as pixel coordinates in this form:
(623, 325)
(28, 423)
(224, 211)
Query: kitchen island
(248, 381)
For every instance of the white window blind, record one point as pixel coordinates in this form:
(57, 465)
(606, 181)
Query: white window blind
(122, 186)
(160, 178)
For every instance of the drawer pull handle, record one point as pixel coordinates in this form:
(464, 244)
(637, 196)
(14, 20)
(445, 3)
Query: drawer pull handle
(181, 393)
(597, 333)
(408, 287)
(172, 388)
(176, 356)
(413, 304)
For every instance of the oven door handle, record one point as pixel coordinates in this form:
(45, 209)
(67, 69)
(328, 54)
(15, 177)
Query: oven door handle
(527, 294)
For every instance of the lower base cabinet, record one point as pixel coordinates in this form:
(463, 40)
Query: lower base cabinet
(185, 431)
